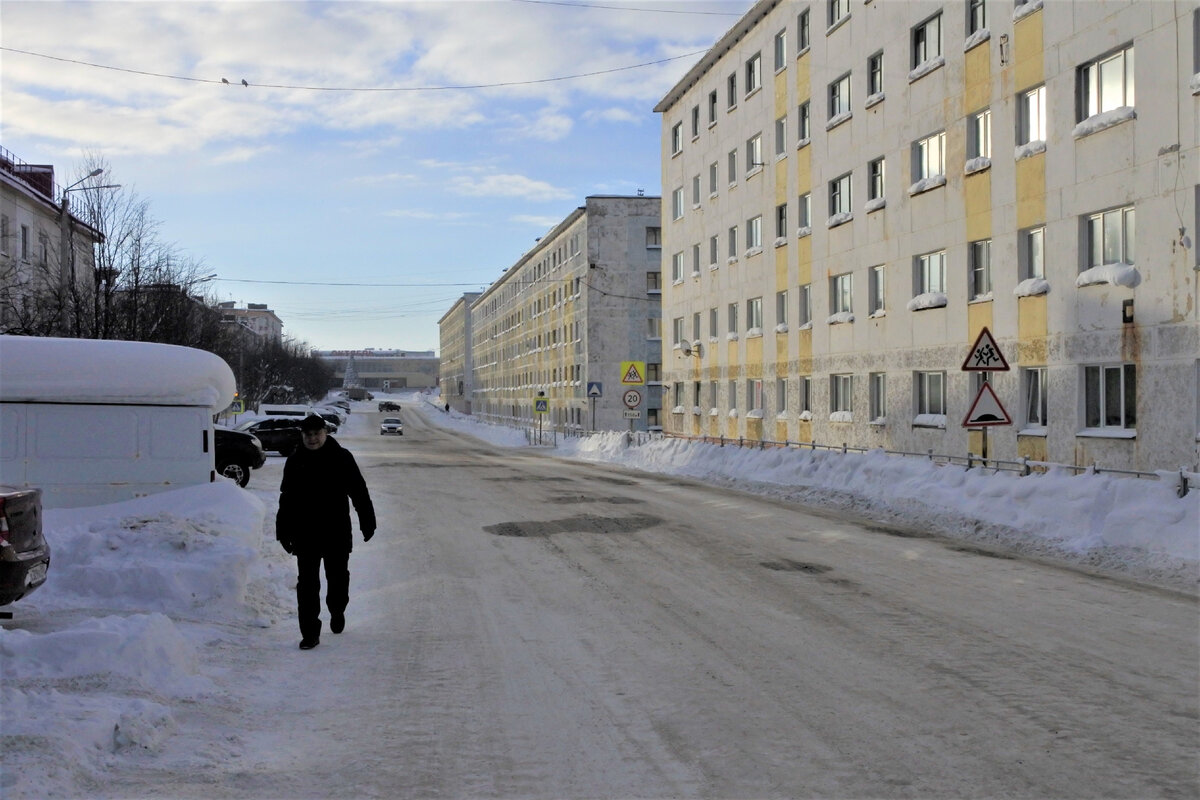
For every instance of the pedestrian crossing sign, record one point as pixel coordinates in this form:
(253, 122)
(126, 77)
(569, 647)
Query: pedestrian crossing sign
(633, 373)
(541, 406)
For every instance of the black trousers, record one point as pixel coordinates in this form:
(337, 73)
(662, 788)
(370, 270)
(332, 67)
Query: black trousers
(308, 588)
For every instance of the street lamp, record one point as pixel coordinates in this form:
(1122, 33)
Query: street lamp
(66, 245)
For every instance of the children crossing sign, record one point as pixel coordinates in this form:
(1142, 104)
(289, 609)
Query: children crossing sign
(985, 355)
(633, 373)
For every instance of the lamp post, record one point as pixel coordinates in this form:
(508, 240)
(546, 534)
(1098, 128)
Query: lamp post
(66, 276)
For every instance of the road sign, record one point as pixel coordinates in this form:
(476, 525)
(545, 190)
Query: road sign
(632, 398)
(985, 355)
(986, 410)
(633, 413)
(633, 373)
(595, 389)
(541, 406)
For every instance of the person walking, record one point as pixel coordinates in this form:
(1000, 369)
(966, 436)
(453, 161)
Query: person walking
(320, 480)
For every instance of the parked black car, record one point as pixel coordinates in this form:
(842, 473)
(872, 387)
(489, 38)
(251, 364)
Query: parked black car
(388, 405)
(237, 453)
(24, 552)
(277, 434)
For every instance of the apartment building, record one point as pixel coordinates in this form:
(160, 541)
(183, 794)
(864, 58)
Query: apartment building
(853, 191)
(258, 318)
(554, 332)
(454, 336)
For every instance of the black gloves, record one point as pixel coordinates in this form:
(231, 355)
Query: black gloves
(367, 535)
(287, 546)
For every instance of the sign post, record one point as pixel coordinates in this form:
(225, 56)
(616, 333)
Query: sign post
(633, 373)
(594, 389)
(986, 409)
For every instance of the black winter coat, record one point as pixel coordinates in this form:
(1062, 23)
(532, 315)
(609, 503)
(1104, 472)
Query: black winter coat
(314, 512)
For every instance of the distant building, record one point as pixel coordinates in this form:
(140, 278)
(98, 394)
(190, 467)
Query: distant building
(255, 317)
(384, 370)
(557, 327)
(454, 331)
(854, 191)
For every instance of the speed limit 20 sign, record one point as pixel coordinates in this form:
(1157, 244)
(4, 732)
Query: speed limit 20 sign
(632, 398)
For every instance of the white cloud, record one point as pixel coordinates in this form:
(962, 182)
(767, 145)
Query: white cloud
(426, 214)
(613, 114)
(545, 223)
(506, 185)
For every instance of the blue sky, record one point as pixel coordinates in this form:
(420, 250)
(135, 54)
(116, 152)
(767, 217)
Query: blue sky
(346, 160)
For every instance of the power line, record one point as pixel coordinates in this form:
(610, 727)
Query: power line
(458, 87)
(331, 283)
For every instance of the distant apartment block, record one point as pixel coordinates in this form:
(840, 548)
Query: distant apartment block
(555, 330)
(255, 317)
(382, 369)
(454, 334)
(853, 191)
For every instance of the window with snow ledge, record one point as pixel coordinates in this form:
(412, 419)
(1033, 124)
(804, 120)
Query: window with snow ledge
(731, 260)
(753, 251)
(878, 422)
(982, 298)
(754, 333)
(839, 219)
(781, 328)
(1113, 274)
(713, 412)
(677, 282)
(876, 204)
(844, 19)
(877, 313)
(921, 70)
(841, 416)
(927, 300)
(696, 411)
(713, 340)
(838, 120)
(1195, 84)
(874, 100)
(1103, 120)
(929, 421)
(806, 326)
(731, 336)
(677, 410)
(1025, 9)
(977, 38)
(803, 231)
(805, 416)
(1107, 433)
(754, 413)
(781, 241)
(840, 318)
(1029, 149)
(781, 416)
(733, 412)
(800, 145)
(977, 165)
(925, 184)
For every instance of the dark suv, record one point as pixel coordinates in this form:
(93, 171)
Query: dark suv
(277, 434)
(237, 453)
(388, 405)
(24, 552)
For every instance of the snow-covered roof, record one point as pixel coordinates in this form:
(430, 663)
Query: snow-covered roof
(39, 369)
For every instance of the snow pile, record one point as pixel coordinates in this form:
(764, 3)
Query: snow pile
(1029, 149)
(977, 38)
(1031, 287)
(874, 99)
(1025, 9)
(925, 184)
(1113, 274)
(838, 119)
(977, 165)
(876, 204)
(927, 300)
(840, 318)
(841, 218)
(1107, 119)
(924, 69)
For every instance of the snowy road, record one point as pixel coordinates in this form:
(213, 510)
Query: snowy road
(528, 627)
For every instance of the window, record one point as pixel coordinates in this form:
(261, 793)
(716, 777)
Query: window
(878, 386)
(677, 266)
(754, 74)
(1031, 256)
(24, 242)
(804, 392)
(1110, 237)
(877, 286)
(1110, 396)
(712, 251)
(930, 157)
(754, 313)
(841, 393)
(805, 307)
(875, 179)
(653, 237)
(753, 153)
(733, 162)
(712, 107)
(927, 40)
(653, 282)
(1106, 84)
(1032, 116)
(781, 395)
(839, 195)
(804, 210)
(677, 330)
(979, 262)
(838, 10)
(654, 328)
(781, 223)
(677, 203)
(4, 234)
(780, 50)
(804, 122)
(931, 393)
(780, 136)
(1033, 391)
(677, 394)
(696, 325)
(712, 179)
(875, 74)
(733, 241)
(976, 16)
(839, 96)
(979, 135)
(731, 100)
(733, 318)
(841, 293)
(696, 259)
(712, 329)
(677, 138)
(803, 32)
(931, 272)
(733, 395)
(695, 190)
(653, 372)
(754, 394)
(754, 233)
(781, 307)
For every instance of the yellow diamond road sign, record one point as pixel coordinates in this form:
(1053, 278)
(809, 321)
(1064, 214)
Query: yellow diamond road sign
(633, 373)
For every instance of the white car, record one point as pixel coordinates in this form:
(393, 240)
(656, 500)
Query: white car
(391, 425)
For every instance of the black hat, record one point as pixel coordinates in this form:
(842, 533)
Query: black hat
(312, 423)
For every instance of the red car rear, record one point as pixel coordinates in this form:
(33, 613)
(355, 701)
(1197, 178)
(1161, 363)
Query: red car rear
(24, 552)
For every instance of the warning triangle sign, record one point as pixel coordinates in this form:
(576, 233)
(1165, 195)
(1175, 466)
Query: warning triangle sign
(631, 373)
(986, 410)
(985, 355)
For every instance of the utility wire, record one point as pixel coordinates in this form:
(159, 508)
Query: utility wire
(459, 87)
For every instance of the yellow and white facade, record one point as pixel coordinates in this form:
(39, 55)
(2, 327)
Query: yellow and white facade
(853, 191)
